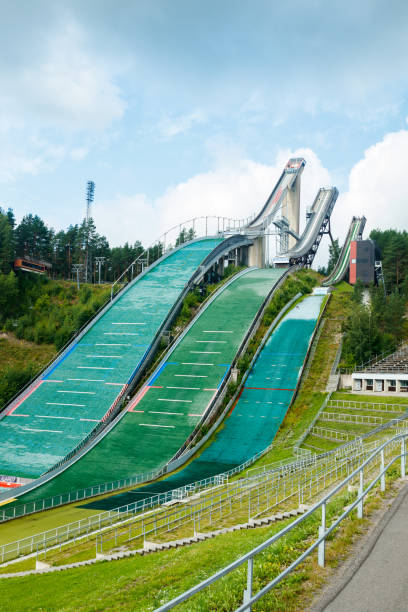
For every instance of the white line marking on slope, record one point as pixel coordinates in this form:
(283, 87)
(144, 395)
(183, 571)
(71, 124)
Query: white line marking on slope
(41, 430)
(206, 352)
(198, 364)
(43, 416)
(57, 404)
(191, 375)
(120, 334)
(150, 425)
(174, 400)
(111, 344)
(155, 412)
(105, 356)
(80, 392)
(185, 388)
(93, 368)
(88, 379)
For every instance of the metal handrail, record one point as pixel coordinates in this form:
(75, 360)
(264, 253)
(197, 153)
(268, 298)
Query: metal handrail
(250, 599)
(102, 521)
(162, 239)
(373, 406)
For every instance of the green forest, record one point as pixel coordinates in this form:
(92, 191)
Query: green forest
(378, 325)
(33, 238)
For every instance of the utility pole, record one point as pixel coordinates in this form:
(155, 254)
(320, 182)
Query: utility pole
(75, 269)
(99, 261)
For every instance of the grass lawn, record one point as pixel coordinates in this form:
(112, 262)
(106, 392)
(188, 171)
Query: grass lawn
(144, 583)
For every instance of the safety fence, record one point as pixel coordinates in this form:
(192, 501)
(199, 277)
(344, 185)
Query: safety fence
(358, 419)
(393, 449)
(118, 516)
(105, 520)
(332, 434)
(239, 502)
(371, 406)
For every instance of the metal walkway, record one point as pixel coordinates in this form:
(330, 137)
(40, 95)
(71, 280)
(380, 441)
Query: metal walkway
(379, 579)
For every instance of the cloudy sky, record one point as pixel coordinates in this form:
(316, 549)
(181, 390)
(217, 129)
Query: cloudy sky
(180, 107)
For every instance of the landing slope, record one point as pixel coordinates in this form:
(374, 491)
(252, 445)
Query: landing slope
(78, 390)
(340, 270)
(166, 411)
(261, 407)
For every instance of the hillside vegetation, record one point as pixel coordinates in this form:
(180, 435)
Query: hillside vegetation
(39, 319)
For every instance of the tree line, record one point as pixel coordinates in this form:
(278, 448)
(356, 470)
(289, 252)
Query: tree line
(79, 244)
(375, 324)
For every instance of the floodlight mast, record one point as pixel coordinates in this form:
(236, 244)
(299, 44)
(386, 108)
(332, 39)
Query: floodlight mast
(90, 195)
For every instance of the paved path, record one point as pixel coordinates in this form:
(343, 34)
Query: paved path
(379, 579)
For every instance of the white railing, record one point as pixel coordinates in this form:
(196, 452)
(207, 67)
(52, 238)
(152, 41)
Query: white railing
(372, 406)
(332, 434)
(368, 465)
(358, 419)
(200, 227)
(280, 477)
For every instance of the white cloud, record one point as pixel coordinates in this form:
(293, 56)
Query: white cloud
(378, 187)
(233, 190)
(79, 153)
(173, 126)
(126, 219)
(64, 85)
(15, 161)
(59, 92)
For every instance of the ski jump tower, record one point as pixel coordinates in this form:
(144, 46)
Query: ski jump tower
(281, 210)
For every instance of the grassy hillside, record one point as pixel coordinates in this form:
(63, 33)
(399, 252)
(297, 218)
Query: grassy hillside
(46, 317)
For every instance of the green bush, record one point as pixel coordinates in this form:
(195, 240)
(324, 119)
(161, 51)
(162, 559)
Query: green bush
(13, 379)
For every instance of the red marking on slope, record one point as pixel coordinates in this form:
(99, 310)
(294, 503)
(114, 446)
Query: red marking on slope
(24, 398)
(137, 399)
(236, 401)
(9, 485)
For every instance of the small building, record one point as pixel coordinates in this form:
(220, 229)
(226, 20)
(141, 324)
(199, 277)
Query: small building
(362, 261)
(386, 376)
(29, 264)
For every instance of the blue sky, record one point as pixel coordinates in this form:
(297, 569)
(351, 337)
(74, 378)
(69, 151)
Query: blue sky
(176, 108)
